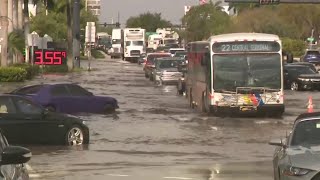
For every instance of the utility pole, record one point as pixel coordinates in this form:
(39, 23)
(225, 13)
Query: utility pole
(76, 33)
(4, 32)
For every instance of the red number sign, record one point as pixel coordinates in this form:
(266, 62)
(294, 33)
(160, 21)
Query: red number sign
(49, 57)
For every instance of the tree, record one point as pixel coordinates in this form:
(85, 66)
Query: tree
(205, 20)
(4, 24)
(283, 20)
(148, 21)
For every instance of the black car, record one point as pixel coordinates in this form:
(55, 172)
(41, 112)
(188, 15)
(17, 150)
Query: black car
(301, 77)
(12, 160)
(26, 122)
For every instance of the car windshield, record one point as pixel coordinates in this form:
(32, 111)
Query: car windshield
(306, 133)
(246, 70)
(173, 51)
(169, 41)
(152, 57)
(28, 90)
(301, 70)
(313, 53)
(180, 53)
(165, 64)
(134, 43)
(116, 41)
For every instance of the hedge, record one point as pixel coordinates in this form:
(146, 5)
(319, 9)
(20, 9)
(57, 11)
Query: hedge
(12, 74)
(31, 70)
(55, 69)
(97, 54)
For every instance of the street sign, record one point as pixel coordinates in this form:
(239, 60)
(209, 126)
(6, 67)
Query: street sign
(90, 32)
(310, 39)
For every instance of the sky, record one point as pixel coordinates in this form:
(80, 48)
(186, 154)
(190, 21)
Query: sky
(172, 10)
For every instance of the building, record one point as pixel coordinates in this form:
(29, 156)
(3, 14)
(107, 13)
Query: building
(94, 6)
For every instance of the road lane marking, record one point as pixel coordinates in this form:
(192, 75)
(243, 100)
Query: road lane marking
(118, 175)
(184, 178)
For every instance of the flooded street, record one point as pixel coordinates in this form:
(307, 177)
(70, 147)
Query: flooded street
(155, 135)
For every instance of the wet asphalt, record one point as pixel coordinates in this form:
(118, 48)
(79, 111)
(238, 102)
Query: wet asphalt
(155, 135)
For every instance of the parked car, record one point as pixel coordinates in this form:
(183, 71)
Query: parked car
(149, 66)
(311, 56)
(297, 155)
(301, 77)
(25, 122)
(166, 70)
(68, 98)
(12, 160)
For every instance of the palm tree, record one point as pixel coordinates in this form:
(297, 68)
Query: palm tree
(4, 23)
(20, 14)
(10, 15)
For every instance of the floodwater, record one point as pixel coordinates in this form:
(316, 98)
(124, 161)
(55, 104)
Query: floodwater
(155, 135)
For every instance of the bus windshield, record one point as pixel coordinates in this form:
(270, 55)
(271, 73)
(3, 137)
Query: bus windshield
(246, 70)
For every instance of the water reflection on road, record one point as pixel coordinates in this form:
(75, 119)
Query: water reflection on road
(155, 135)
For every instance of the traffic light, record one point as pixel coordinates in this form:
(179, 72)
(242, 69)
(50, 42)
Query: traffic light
(105, 24)
(117, 24)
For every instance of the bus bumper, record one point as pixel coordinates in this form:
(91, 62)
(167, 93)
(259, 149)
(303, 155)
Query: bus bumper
(264, 109)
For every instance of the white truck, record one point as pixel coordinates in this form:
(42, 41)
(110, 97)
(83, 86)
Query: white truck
(117, 50)
(134, 43)
(154, 41)
(168, 36)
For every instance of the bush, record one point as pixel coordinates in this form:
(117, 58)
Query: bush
(55, 69)
(295, 46)
(97, 54)
(12, 74)
(31, 70)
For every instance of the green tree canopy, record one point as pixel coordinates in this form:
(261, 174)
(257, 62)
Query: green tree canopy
(148, 21)
(55, 23)
(205, 20)
(293, 21)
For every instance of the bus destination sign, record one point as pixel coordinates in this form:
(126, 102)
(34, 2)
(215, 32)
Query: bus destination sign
(246, 46)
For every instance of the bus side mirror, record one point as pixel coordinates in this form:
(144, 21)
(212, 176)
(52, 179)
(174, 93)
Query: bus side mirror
(289, 58)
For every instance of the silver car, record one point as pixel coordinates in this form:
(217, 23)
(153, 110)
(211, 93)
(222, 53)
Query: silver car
(166, 71)
(298, 155)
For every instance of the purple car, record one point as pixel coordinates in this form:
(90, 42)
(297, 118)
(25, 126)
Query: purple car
(68, 98)
(311, 56)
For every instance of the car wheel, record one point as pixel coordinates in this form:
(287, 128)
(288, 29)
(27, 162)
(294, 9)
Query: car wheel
(108, 108)
(294, 86)
(51, 108)
(75, 136)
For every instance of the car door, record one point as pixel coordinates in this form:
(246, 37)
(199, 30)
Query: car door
(35, 127)
(10, 122)
(61, 99)
(82, 99)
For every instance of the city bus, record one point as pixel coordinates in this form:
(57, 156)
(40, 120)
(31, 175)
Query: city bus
(237, 72)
